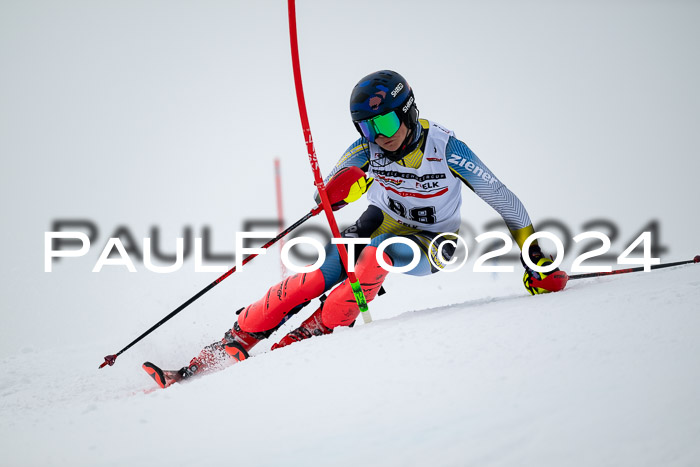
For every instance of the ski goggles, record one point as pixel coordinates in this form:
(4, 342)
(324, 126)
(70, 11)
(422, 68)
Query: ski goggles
(386, 125)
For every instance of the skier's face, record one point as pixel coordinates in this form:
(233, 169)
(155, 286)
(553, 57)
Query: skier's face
(393, 143)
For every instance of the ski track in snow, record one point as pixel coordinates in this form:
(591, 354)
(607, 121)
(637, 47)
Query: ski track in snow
(605, 373)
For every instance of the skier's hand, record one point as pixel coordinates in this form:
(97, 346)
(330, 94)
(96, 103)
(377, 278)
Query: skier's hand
(345, 187)
(534, 281)
(355, 192)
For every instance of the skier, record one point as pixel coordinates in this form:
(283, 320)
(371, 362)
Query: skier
(416, 168)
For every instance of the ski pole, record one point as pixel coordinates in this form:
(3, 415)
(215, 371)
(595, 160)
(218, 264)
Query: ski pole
(338, 189)
(109, 359)
(352, 278)
(641, 268)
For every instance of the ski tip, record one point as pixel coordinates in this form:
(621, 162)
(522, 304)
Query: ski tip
(155, 373)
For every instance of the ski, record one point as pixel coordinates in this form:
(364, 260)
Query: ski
(163, 378)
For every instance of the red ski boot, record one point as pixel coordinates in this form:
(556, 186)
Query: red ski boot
(233, 348)
(313, 326)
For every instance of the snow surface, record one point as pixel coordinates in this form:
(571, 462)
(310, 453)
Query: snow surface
(603, 374)
(168, 115)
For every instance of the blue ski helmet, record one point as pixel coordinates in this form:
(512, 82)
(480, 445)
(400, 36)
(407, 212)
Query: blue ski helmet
(383, 93)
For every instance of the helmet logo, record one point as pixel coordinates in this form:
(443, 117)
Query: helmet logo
(408, 105)
(376, 100)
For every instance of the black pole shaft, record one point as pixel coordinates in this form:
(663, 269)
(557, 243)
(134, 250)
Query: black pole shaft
(625, 271)
(109, 359)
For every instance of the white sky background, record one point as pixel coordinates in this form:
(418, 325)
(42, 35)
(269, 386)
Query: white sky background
(170, 114)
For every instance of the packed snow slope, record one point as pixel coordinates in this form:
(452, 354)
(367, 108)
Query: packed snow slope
(602, 374)
(158, 118)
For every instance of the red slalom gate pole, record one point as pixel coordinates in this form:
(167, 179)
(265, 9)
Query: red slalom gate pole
(641, 268)
(354, 282)
(280, 210)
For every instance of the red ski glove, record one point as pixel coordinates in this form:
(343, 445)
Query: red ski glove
(538, 282)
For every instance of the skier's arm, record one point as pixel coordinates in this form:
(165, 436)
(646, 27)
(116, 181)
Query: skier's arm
(466, 166)
(356, 155)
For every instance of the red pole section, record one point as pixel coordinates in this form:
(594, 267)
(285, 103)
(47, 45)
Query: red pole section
(280, 210)
(313, 160)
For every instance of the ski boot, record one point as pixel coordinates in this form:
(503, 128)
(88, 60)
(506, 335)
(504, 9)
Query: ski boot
(233, 348)
(312, 326)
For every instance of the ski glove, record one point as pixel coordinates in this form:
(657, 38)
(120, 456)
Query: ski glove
(346, 186)
(532, 279)
(355, 192)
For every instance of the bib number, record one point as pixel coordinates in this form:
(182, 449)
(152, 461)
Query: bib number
(424, 215)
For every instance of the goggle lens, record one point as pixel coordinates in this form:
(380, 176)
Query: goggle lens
(386, 125)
